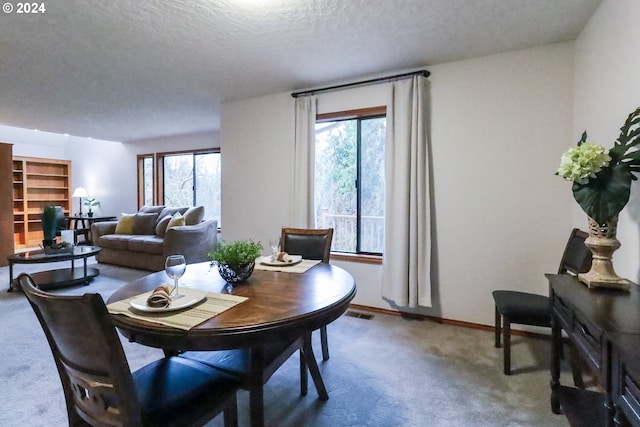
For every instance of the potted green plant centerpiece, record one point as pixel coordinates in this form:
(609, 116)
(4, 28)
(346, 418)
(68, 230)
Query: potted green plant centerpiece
(235, 260)
(90, 202)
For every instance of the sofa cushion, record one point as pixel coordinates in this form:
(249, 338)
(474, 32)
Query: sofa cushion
(115, 241)
(145, 223)
(147, 244)
(194, 215)
(151, 209)
(125, 224)
(161, 226)
(176, 220)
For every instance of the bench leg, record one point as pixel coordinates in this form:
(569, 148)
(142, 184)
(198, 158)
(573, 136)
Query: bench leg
(498, 325)
(506, 333)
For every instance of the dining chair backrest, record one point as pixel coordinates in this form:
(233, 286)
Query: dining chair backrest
(577, 256)
(312, 244)
(99, 388)
(96, 380)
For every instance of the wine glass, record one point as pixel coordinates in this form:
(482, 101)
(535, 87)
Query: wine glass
(175, 266)
(275, 248)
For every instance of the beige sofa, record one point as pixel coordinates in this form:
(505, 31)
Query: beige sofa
(150, 241)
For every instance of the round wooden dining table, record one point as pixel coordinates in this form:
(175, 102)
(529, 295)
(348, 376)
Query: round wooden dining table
(280, 306)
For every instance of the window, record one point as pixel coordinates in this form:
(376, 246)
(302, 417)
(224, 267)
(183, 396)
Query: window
(349, 179)
(182, 179)
(146, 171)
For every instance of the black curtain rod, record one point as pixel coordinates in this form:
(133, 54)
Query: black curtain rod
(424, 73)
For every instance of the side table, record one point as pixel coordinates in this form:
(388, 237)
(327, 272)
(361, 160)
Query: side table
(60, 277)
(82, 225)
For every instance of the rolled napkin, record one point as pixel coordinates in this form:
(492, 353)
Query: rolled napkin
(160, 297)
(282, 257)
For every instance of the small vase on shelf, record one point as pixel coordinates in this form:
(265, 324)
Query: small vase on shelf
(603, 243)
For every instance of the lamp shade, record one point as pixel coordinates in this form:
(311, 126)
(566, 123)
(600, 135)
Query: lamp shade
(80, 192)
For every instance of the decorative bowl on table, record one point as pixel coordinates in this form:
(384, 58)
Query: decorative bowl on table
(235, 274)
(235, 260)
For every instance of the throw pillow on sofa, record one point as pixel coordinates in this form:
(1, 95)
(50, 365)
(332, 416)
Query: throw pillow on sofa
(145, 223)
(170, 211)
(125, 224)
(161, 226)
(176, 220)
(194, 215)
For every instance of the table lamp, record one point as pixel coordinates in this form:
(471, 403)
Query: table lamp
(80, 192)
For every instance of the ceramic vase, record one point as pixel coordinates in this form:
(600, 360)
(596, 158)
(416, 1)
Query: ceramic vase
(238, 275)
(603, 243)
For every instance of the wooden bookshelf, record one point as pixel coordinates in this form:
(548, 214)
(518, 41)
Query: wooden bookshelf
(6, 196)
(37, 183)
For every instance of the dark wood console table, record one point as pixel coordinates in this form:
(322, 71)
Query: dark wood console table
(591, 318)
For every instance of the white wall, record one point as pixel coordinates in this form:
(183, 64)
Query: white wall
(192, 141)
(499, 125)
(256, 139)
(607, 89)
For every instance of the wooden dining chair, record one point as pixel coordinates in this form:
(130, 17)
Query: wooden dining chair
(311, 244)
(243, 363)
(98, 386)
(525, 308)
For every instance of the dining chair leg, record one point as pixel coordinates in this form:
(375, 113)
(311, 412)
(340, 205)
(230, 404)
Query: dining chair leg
(310, 359)
(324, 343)
(231, 412)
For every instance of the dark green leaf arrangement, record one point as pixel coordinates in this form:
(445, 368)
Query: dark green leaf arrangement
(49, 222)
(236, 254)
(602, 181)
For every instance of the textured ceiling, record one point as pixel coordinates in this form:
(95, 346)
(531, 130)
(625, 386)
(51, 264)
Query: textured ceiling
(131, 69)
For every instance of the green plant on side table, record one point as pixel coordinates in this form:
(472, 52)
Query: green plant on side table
(235, 260)
(91, 203)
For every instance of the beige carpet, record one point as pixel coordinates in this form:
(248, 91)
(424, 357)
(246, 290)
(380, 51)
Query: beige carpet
(383, 371)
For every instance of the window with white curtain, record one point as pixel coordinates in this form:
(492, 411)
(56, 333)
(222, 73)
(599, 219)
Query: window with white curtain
(349, 179)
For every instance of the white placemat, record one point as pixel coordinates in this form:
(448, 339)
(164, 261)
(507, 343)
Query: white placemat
(214, 304)
(299, 268)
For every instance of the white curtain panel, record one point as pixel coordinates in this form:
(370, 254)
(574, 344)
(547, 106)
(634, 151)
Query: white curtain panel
(302, 203)
(406, 273)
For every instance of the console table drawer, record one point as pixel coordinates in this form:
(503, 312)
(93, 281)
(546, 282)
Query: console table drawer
(589, 339)
(584, 334)
(563, 313)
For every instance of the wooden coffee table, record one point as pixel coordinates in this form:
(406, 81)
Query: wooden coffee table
(56, 278)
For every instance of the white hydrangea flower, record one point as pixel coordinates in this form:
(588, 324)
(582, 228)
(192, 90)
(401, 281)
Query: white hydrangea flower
(581, 163)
